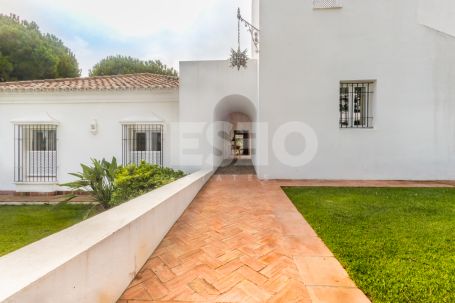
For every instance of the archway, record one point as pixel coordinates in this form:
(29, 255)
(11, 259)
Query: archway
(234, 147)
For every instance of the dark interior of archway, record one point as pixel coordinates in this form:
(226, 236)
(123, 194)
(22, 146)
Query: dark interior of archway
(236, 167)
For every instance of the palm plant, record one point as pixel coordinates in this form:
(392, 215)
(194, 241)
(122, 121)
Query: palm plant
(99, 178)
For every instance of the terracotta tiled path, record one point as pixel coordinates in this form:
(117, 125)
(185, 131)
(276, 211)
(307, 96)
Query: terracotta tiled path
(242, 240)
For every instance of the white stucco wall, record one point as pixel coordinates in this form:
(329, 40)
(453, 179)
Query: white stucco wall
(405, 46)
(75, 111)
(208, 91)
(302, 61)
(255, 21)
(438, 14)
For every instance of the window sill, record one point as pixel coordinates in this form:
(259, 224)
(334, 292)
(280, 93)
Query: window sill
(356, 128)
(327, 4)
(36, 183)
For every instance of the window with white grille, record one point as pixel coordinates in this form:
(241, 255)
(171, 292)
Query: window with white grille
(35, 153)
(327, 3)
(142, 142)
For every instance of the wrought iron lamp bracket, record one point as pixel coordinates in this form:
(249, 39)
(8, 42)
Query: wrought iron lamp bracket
(239, 58)
(254, 31)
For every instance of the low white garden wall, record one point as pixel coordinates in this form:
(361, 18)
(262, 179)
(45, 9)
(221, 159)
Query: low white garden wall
(95, 260)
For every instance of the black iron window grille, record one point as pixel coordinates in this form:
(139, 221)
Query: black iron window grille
(35, 153)
(142, 142)
(356, 104)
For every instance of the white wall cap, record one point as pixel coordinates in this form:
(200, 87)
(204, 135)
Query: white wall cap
(23, 267)
(36, 119)
(151, 118)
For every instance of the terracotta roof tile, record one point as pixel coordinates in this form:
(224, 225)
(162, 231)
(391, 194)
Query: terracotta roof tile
(117, 82)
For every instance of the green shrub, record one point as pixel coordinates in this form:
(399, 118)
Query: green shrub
(112, 184)
(99, 178)
(134, 180)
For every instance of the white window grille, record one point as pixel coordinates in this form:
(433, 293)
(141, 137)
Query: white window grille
(327, 3)
(35, 153)
(142, 142)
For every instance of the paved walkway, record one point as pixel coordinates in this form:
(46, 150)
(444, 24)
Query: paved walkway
(242, 240)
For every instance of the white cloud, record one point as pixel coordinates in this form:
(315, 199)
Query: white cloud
(170, 30)
(126, 19)
(136, 18)
(85, 55)
(209, 37)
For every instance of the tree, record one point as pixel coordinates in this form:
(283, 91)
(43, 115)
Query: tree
(120, 65)
(28, 54)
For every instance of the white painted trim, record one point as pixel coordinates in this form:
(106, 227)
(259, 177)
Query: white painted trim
(87, 97)
(142, 122)
(56, 90)
(36, 183)
(35, 122)
(150, 119)
(327, 4)
(40, 120)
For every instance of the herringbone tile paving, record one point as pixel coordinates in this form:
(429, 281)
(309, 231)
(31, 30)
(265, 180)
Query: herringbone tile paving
(242, 240)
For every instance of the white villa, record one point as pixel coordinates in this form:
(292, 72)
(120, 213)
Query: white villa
(337, 89)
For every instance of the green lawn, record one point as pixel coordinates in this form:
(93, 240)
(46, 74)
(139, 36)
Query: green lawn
(398, 244)
(21, 225)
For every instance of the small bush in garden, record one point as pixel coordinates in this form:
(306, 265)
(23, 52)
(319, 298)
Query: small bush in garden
(134, 180)
(99, 178)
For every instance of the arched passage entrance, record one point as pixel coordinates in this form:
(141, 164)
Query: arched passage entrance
(235, 135)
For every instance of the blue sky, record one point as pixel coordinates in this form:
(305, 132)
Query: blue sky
(169, 30)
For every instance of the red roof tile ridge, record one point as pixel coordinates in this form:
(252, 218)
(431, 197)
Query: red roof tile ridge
(88, 78)
(108, 82)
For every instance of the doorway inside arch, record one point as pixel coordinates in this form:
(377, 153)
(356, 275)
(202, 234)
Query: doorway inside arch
(241, 144)
(234, 140)
(238, 148)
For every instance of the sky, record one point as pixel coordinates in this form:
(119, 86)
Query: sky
(168, 30)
